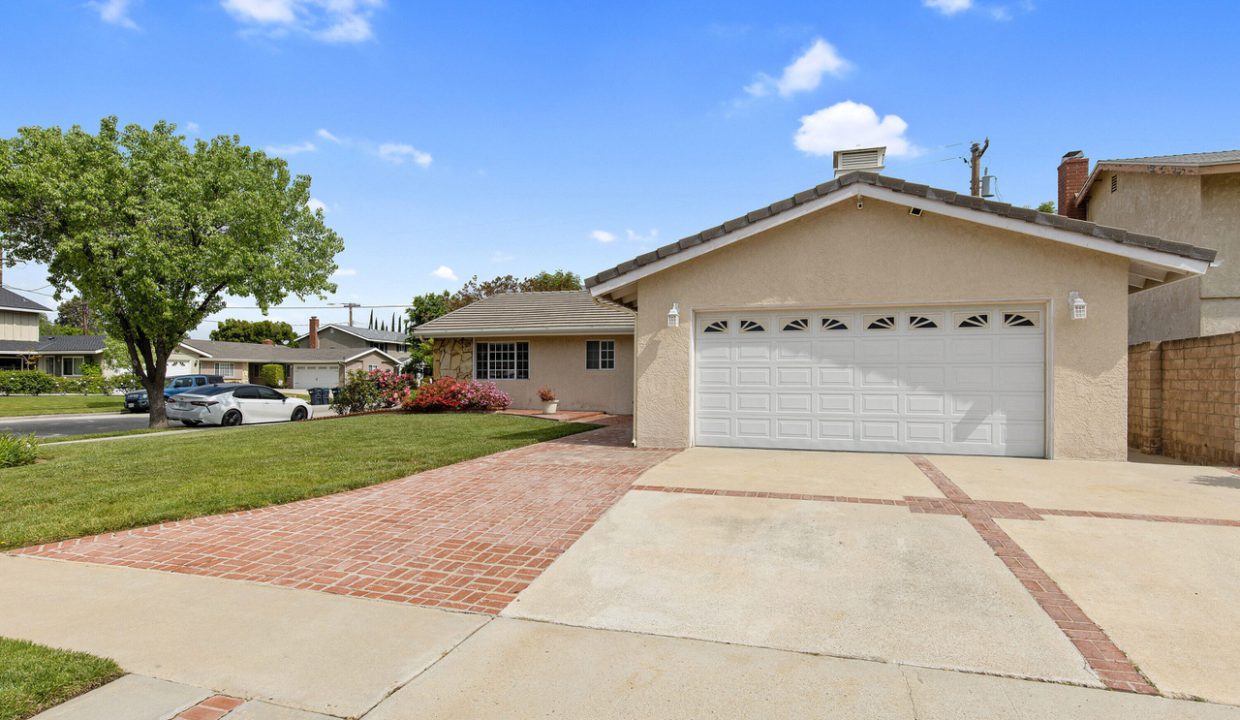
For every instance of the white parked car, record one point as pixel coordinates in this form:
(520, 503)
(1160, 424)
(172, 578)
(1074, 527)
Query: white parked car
(232, 404)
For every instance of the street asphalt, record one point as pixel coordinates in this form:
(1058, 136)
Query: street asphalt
(53, 426)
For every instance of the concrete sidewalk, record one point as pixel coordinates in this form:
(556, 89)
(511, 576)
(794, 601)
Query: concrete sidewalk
(269, 653)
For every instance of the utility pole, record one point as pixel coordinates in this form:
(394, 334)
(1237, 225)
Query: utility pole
(350, 306)
(976, 152)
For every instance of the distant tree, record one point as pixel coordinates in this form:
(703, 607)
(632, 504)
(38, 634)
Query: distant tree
(1047, 207)
(254, 331)
(425, 308)
(475, 289)
(372, 320)
(47, 328)
(75, 312)
(547, 281)
(153, 233)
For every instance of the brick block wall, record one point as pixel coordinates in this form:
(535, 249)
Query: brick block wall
(1182, 399)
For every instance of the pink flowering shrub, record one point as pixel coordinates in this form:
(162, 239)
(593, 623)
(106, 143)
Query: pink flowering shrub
(395, 389)
(446, 394)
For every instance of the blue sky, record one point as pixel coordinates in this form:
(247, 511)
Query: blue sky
(447, 140)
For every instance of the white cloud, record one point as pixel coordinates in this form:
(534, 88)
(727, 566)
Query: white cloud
(444, 272)
(345, 272)
(803, 74)
(326, 135)
(326, 20)
(316, 204)
(948, 7)
(400, 153)
(849, 125)
(191, 127)
(499, 256)
(115, 12)
(646, 239)
(291, 149)
(603, 236)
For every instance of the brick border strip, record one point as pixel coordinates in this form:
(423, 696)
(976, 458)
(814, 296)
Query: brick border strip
(213, 708)
(676, 489)
(1104, 657)
(1104, 515)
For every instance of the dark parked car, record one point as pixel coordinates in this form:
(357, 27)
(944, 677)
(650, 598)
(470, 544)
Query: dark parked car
(175, 385)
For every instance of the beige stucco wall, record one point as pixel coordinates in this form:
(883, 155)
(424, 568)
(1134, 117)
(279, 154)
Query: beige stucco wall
(559, 363)
(365, 361)
(19, 325)
(882, 255)
(1201, 210)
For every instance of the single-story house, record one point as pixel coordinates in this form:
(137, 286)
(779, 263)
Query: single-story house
(566, 341)
(873, 314)
(303, 367)
(338, 335)
(22, 348)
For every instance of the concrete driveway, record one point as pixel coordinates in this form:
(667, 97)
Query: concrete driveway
(708, 583)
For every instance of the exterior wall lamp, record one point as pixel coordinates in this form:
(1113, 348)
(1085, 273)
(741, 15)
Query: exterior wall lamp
(1078, 305)
(673, 316)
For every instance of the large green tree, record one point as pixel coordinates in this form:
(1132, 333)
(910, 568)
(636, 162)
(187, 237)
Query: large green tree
(154, 232)
(254, 331)
(76, 312)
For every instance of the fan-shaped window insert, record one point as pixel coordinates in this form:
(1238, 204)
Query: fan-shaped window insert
(797, 325)
(718, 326)
(748, 326)
(880, 322)
(833, 324)
(978, 320)
(921, 322)
(1020, 319)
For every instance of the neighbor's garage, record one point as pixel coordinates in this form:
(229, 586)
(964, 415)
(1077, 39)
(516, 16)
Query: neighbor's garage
(967, 380)
(316, 376)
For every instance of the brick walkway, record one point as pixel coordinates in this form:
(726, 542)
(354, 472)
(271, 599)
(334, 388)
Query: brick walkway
(468, 536)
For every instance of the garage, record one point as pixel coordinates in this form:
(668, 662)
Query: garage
(946, 379)
(315, 376)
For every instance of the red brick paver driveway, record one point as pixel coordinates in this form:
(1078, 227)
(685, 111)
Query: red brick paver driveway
(468, 536)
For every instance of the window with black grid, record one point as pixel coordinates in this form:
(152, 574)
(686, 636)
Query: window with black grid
(502, 361)
(600, 354)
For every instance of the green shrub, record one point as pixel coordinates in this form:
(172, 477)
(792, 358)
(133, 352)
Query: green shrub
(18, 449)
(271, 375)
(125, 381)
(358, 394)
(27, 382)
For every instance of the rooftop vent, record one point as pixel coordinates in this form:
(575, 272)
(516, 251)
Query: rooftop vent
(863, 159)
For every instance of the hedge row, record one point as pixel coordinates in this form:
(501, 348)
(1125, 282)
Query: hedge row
(37, 382)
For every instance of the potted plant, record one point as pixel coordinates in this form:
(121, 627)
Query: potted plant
(549, 401)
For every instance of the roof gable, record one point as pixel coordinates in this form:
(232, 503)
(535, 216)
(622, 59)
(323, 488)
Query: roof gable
(1152, 259)
(1202, 163)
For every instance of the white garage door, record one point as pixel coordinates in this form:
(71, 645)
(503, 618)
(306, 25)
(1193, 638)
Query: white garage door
(926, 380)
(316, 376)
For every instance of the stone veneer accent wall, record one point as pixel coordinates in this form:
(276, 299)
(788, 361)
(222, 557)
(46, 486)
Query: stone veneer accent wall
(453, 357)
(1182, 399)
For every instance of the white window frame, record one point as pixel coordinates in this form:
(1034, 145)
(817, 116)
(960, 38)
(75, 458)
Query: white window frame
(219, 369)
(516, 370)
(76, 362)
(602, 366)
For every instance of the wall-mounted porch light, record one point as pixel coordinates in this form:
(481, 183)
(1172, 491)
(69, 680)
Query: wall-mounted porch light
(1078, 305)
(673, 316)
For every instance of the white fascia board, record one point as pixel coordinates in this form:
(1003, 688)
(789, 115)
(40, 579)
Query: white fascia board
(193, 349)
(24, 310)
(364, 353)
(530, 331)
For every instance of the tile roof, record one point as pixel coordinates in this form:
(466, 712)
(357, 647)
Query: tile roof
(907, 188)
(261, 352)
(1218, 157)
(568, 312)
(10, 299)
(56, 344)
(390, 336)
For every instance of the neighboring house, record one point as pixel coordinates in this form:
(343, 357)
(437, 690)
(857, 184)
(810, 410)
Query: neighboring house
(871, 313)
(581, 349)
(22, 348)
(1193, 199)
(348, 336)
(303, 367)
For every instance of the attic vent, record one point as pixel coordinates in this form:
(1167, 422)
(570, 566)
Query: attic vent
(860, 159)
(1114, 183)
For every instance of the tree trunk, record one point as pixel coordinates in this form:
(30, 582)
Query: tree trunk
(154, 384)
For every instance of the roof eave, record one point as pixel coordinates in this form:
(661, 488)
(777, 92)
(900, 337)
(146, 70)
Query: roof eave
(530, 331)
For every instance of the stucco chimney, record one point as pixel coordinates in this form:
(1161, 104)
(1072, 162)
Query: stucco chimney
(1073, 172)
(313, 338)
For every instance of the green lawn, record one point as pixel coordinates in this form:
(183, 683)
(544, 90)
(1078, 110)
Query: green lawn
(34, 678)
(14, 405)
(99, 487)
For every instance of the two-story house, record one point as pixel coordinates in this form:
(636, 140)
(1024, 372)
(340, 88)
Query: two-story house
(22, 348)
(1193, 199)
(335, 335)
